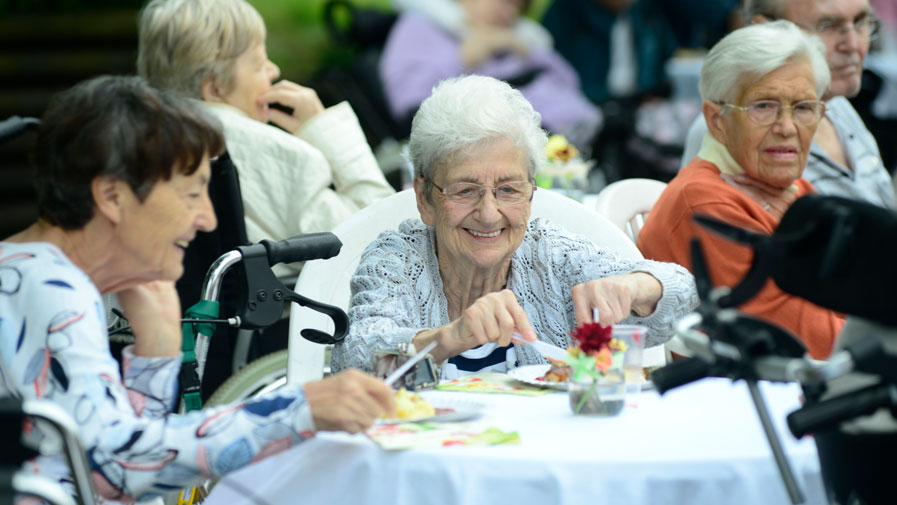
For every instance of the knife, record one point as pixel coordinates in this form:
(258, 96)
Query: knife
(398, 372)
(545, 349)
(550, 350)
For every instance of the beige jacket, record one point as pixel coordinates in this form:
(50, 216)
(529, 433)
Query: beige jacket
(286, 179)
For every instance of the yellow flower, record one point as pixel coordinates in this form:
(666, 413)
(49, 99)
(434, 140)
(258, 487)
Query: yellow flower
(558, 149)
(617, 345)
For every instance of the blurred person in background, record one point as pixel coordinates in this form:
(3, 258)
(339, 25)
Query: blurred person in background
(844, 158)
(420, 53)
(310, 171)
(301, 168)
(452, 16)
(618, 47)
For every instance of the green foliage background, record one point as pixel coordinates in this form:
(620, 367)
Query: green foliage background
(297, 38)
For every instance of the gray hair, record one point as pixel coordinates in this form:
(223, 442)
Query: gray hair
(464, 113)
(773, 9)
(184, 43)
(751, 52)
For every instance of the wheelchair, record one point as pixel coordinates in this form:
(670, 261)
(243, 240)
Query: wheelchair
(833, 252)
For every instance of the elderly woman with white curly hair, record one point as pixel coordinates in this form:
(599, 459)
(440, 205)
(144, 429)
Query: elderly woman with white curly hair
(474, 269)
(762, 87)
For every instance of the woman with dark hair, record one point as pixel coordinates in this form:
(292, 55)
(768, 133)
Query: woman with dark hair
(122, 172)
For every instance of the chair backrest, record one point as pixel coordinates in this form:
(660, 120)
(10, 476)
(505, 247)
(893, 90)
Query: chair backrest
(626, 203)
(328, 280)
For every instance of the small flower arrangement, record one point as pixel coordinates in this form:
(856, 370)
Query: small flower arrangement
(563, 169)
(595, 352)
(595, 357)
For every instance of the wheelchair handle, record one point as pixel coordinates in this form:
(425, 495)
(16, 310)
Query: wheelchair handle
(830, 413)
(14, 126)
(300, 248)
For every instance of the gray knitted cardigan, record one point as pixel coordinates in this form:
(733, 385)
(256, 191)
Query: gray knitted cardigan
(397, 289)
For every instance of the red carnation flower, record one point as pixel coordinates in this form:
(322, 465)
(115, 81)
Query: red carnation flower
(592, 337)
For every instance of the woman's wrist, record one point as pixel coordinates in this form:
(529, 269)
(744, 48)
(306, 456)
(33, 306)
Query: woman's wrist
(439, 353)
(648, 292)
(164, 344)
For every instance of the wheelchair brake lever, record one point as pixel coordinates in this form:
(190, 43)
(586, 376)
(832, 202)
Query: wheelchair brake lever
(339, 318)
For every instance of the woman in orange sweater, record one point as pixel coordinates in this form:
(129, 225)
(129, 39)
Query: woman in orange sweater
(761, 86)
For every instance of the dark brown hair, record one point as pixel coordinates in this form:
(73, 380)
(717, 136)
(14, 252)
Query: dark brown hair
(120, 127)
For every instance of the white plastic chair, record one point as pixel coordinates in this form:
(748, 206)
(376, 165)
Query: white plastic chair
(328, 280)
(626, 203)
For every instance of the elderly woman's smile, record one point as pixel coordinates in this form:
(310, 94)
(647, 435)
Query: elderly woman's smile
(485, 233)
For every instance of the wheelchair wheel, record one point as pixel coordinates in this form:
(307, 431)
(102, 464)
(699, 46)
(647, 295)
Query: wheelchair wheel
(258, 377)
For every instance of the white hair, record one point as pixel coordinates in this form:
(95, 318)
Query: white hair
(749, 53)
(464, 113)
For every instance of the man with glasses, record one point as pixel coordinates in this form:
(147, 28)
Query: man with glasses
(844, 158)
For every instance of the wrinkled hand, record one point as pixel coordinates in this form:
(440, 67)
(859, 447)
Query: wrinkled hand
(349, 401)
(616, 297)
(304, 102)
(154, 313)
(494, 317)
(774, 200)
(482, 42)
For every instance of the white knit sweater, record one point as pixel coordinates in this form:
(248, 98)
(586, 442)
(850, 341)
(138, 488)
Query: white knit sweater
(397, 289)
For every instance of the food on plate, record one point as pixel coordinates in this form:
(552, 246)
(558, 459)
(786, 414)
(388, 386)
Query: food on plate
(559, 372)
(412, 406)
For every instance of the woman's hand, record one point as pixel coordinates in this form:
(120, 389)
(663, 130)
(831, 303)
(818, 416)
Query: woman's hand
(616, 297)
(349, 401)
(154, 313)
(774, 200)
(304, 102)
(482, 42)
(494, 317)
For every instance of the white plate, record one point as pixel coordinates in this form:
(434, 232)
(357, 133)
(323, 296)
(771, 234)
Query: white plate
(530, 374)
(447, 410)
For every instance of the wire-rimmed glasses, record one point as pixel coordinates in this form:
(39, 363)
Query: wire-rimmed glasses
(767, 112)
(470, 193)
(864, 25)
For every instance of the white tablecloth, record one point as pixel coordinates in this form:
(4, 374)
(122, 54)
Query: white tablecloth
(700, 444)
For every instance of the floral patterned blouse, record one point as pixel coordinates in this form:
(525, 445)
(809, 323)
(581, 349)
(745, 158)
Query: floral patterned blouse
(54, 346)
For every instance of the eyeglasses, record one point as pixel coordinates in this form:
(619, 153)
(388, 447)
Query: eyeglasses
(865, 25)
(767, 112)
(470, 193)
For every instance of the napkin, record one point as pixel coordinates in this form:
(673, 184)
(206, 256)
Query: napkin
(394, 437)
(491, 382)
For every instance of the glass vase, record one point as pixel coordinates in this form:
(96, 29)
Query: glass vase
(603, 397)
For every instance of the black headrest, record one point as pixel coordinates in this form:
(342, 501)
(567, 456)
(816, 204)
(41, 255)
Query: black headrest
(835, 252)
